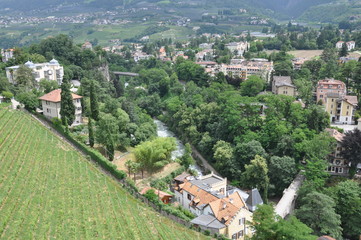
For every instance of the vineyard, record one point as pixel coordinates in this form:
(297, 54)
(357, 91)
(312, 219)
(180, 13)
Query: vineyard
(48, 191)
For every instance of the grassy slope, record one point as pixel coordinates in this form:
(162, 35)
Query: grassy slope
(49, 191)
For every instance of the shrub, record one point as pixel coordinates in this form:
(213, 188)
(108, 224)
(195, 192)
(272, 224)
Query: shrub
(207, 232)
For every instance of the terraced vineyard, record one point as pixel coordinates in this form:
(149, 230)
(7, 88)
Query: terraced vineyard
(48, 190)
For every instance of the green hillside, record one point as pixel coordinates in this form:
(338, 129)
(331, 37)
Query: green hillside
(335, 12)
(49, 191)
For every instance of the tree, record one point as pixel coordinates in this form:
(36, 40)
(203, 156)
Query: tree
(317, 118)
(318, 213)
(256, 176)
(351, 145)
(281, 172)
(187, 158)
(91, 132)
(7, 95)
(348, 205)
(154, 155)
(223, 155)
(129, 164)
(94, 105)
(107, 133)
(315, 173)
(25, 78)
(252, 86)
(29, 99)
(48, 85)
(343, 52)
(67, 108)
(267, 225)
(245, 152)
(304, 89)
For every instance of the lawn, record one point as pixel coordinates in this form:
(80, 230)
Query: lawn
(48, 191)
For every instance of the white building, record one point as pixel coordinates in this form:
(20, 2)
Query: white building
(7, 54)
(238, 48)
(51, 105)
(350, 45)
(51, 71)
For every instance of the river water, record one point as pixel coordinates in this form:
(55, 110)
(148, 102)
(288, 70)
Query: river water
(163, 131)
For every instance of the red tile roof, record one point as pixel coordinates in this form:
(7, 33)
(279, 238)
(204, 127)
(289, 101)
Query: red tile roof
(335, 134)
(54, 96)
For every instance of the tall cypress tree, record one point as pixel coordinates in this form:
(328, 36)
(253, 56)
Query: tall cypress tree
(91, 133)
(343, 52)
(94, 106)
(67, 108)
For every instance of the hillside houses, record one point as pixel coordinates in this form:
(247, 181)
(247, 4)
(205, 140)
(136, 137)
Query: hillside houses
(238, 48)
(341, 107)
(350, 45)
(337, 165)
(219, 208)
(51, 104)
(50, 71)
(283, 85)
(240, 68)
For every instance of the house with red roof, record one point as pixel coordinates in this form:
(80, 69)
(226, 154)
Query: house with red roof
(219, 208)
(51, 105)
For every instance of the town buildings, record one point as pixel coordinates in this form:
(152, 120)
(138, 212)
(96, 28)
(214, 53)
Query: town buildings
(282, 85)
(219, 208)
(50, 71)
(341, 107)
(337, 165)
(51, 105)
(7, 54)
(87, 45)
(238, 48)
(327, 86)
(350, 45)
(240, 68)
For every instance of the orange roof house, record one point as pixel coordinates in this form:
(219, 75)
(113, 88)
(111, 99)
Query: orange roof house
(219, 208)
(55, 96)
(51, 104)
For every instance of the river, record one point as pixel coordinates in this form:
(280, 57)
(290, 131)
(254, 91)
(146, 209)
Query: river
(163, 131)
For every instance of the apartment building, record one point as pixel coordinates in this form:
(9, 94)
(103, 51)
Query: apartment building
(337, 165)
(50, 71)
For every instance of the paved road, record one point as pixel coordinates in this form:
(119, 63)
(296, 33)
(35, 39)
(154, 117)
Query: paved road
(205, 163)
(287, 203)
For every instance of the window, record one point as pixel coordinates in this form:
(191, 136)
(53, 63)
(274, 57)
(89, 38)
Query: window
(346, 114)
(189, 197)
(242, 221)
(332, 100)
(348, 107)
(340, 170)
(331, 112)
(321, 96)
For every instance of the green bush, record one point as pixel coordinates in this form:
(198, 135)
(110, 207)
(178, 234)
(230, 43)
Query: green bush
(207, 232)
